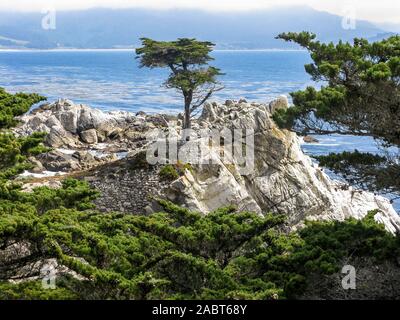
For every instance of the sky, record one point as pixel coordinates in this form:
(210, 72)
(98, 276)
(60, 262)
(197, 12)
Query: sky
(382, 11)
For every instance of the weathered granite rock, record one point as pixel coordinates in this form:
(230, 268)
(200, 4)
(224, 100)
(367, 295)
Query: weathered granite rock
(73, 127)
(310, 139)
(280, 103)
(67, 122)
(59, 137)
(15, 253)
(37, 165)
(229, 103)
(58, 161)
(284, 179)
(89, 136)
(52, 184)
(92, 119)
(84, 156)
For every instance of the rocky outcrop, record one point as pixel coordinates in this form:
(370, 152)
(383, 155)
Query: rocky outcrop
(283, 179)
(310, 139)
(76, 129)
(72, 125)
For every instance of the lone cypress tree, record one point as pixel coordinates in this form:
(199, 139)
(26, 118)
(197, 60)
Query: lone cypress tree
(190, 73)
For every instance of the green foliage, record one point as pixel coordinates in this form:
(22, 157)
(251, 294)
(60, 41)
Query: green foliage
(346, 159)
(33, 290)
(168, 173)
(73, 194)
(15, 105)
(178, 254)
(359, 96)
(172, 172)
(14, 151)
(182, 167)
(156, 54)
(285, 119)
(367, 171)
(362, 87)
(190, 74)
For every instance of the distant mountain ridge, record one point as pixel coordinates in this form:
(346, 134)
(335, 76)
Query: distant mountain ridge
(108, 28)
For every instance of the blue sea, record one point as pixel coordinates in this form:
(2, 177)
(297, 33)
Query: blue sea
(112, 80)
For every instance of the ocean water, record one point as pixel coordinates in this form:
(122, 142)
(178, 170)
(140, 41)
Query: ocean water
(112, 80)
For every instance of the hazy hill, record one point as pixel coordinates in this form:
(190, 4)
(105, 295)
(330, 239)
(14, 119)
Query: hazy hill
(107, 28)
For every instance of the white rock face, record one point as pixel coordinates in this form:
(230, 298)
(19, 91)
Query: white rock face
(69, 124)
(284, 179)
(104, 136)
(89, 136)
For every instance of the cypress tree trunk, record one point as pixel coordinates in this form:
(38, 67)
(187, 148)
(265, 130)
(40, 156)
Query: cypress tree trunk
(186, 118)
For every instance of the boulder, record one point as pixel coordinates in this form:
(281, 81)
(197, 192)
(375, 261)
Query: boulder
(310, 139)
(86, 159)
(58, 161)
(52, 184)
(229, 103)
(83, 156)
(53, 121)
(89, 136)
(69, 120)
(101, 136)
(43, 107)
(66, 119)
(37, 165)
(280, 103)
(58, 137)
(91, 119)
(36, 124)
(209, 112)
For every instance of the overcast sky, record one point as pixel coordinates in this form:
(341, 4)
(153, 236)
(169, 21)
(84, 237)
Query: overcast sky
(373, 10)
